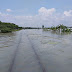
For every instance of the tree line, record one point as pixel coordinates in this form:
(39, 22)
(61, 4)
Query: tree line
(8, 27)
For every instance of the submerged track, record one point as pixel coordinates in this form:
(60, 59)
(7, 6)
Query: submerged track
(37, 56)
(15, 54)
(35, 52)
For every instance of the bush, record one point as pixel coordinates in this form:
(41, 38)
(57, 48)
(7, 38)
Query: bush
(8, 27)
(6, 30)
(67, 30)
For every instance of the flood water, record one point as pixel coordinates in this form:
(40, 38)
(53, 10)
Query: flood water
(35, 51)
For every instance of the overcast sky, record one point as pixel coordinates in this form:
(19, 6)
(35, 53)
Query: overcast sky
(36, 12)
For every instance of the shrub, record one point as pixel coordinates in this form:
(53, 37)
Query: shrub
(6, 30)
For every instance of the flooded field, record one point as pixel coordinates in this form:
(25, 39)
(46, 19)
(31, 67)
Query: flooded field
(35, 51)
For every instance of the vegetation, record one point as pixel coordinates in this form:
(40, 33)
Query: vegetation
(63, 28)
(8, 27)
(60, 27)
(31, 28)
(53, 28)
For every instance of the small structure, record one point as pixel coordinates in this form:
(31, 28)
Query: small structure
(42, 26)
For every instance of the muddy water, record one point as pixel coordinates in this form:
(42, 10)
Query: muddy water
(35, 51)
(8, 45)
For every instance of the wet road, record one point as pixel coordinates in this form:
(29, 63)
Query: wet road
(35, 51)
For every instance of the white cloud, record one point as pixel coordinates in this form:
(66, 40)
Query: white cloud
(7, 18)
(44, 11)
(68, 13)
(0, 13)
(47, 17)
(8, 10)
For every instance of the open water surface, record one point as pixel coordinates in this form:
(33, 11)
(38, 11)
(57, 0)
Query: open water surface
(35, 51)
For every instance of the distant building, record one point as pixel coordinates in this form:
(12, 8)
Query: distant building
(42, 26)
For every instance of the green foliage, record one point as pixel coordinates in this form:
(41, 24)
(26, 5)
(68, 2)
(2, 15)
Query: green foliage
(53, 28)
(67, 30)
(62, 27)
(6, 30)
(32, 28)
(8, 27)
